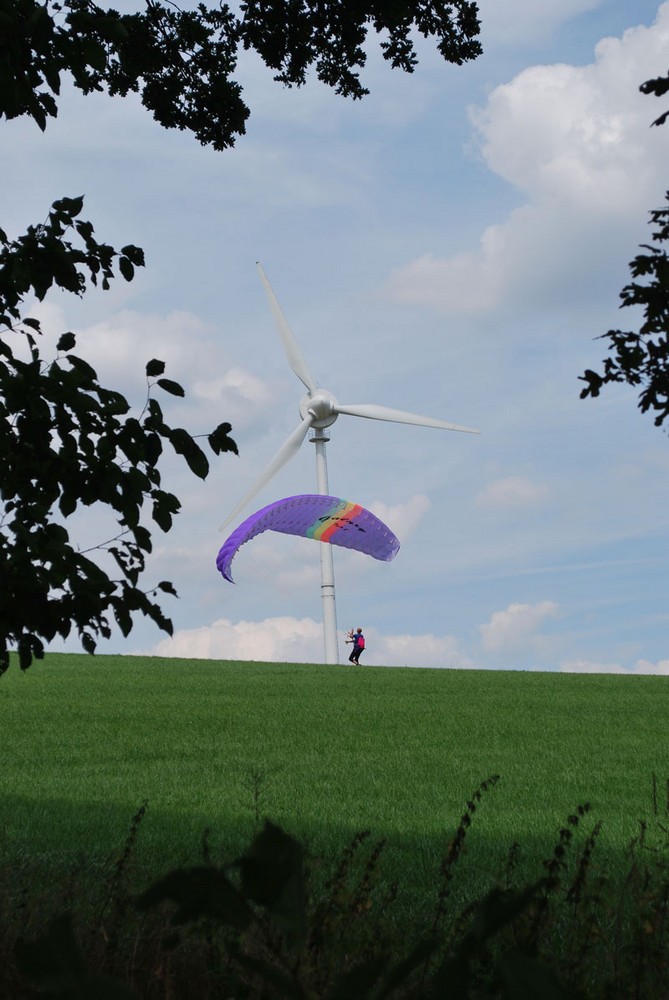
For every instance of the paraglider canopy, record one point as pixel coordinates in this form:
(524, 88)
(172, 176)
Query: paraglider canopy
(312, 515)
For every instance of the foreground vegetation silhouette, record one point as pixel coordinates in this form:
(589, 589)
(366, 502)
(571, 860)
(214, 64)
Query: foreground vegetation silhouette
(258, 927)
(641, 358)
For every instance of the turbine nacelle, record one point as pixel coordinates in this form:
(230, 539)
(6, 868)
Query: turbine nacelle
(321, 406)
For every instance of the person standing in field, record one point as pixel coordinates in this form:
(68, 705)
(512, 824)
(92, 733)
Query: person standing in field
(358, 640)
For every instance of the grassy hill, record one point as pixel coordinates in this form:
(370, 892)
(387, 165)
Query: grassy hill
(325, 752)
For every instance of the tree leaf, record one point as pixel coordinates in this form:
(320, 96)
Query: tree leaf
(219, 441)
(66, 342)
(172, 387)
(155, 367)
(126, 268)
(184, 445)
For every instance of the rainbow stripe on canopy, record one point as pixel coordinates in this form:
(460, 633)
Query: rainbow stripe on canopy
(312, 515)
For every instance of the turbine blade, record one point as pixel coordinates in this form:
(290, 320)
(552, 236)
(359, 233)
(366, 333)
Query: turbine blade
(283, 455)
(373, 412)
(290, 345)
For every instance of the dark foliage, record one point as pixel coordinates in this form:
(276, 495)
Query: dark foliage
(642, 358)
(256, 929)
(182, 61)
(67, 441)
(658, 86)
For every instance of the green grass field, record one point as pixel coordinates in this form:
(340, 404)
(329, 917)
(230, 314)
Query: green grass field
(325, 752)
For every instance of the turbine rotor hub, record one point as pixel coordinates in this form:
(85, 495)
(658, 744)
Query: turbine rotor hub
(321, 405)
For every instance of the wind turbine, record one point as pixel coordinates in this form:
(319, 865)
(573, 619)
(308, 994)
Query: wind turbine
(318, 411)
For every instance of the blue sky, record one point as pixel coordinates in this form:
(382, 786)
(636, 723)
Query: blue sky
(452, 245)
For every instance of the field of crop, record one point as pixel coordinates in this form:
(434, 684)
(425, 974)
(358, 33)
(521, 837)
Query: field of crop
(325, 752)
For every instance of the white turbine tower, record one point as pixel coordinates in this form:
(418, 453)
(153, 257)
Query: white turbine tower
(319, 409)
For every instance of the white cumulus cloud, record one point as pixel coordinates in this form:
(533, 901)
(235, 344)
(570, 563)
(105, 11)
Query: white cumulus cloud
(576, 141)
(126, 341)
(417, 651)
(120, 346)
(402, 518)
(512, 491)
(646, 667)
(517, 627)
(592, 667)
(294, 640)
(237, 380)
(300, 640)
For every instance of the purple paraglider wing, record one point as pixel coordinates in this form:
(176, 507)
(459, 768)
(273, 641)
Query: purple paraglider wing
(312, 515)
